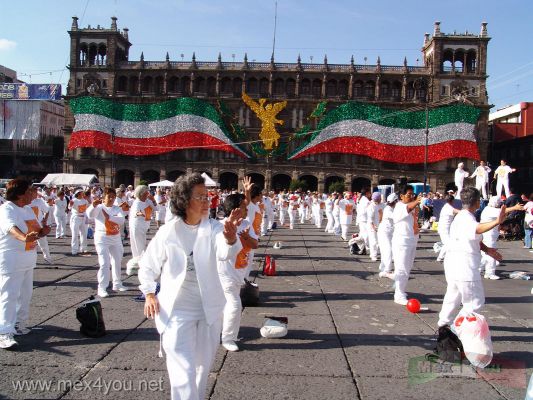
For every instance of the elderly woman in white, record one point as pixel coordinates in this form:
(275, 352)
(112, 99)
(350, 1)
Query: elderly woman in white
(189, 307)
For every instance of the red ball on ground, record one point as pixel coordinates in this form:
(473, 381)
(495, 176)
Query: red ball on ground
(413, 305)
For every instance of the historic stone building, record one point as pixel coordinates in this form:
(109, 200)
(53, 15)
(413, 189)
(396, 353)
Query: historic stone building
(453, 64)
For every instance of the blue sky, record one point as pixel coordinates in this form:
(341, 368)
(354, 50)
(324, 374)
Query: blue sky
(34, 39)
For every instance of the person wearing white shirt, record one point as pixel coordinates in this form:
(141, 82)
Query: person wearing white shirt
(317, 208)
(385, 232)
(346, 209)
(460, 175)
(41, 210)
(362, 204)
(283, 206)
(294, 201)
(78, 227)
(140, 215)
(254, 213)
(108, 221)
(160, 201)
(232, 272)
(372, 222)
(463, 258)
(337, 215)
(481, 173)
(267, 214)
(19, 231)
(501, 174)
(188, 309)
(328, 205)
(447, 213)
(404, 240)
(60, 214)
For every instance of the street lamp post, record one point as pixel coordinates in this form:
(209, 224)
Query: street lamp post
(112, 157)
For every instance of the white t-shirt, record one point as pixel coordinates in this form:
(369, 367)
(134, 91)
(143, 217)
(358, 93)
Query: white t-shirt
(189, 299)
(463, 254)
(460, 175)
(79, 207)
(255, 217)
(361, 209)
(490, 214)
(106, 231)
(503, 171)
(16, 255)
(329, 205)
(233, 271)
(372, 214)
(446, 218)
(387, 224)
(60, 208)
(404, 233)
(144, 207)
(40, 208)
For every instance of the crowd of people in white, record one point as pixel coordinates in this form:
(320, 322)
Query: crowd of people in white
(192, 239)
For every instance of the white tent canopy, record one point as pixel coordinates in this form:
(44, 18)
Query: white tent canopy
(70, 179)
(208, 181)
(164, 183)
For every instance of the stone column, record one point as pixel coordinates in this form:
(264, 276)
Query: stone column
(137, 176)
(215, 173)
(348, 182)
(268, 179)
(374, 182)
(240, 175)
(162, 174)
(321, 182)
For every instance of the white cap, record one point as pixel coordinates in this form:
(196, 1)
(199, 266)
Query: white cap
(391, 198)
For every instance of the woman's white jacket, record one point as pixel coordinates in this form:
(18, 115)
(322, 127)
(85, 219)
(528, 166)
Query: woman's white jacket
(165, 260)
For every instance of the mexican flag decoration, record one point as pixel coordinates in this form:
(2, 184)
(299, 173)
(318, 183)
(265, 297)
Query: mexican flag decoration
(146, 129)
(394, 135)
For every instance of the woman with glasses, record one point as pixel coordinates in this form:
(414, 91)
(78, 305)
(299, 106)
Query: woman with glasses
(188, 309)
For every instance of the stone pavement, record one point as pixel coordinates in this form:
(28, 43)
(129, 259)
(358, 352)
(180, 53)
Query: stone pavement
(347, 339)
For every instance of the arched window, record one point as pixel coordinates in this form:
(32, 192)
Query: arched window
(396, 90)
(331, 88)
(343, 88)
(134, 85)
(102, 54)
(263, 87)
(237, 87)
(358, 89)
(471, 62)
(278, 88)
(159, 85)
(459, 61)
(225, 86)
(316, 88)
(199, 85)
(384, 90)
(410, 91)
(252, 87)
(93, 52)
(185, 85)
(290, 87)
(122, 84)
(173, 85)
(211, 86)
(447, 61)
(305, 87)
(370, 89)
(147, 84)
(84, 52)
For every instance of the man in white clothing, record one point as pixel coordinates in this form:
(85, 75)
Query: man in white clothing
(502, 178)
(481, 173)
(361, 220)
(460, 175)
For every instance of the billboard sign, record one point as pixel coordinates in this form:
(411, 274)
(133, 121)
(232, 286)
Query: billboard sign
(29, 91)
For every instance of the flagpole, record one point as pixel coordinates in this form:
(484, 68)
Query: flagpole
(112, 157)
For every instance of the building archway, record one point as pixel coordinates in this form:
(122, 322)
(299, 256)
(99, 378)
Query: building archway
(228, 180)
(150, 176)
(387, 181)
(360, 183)
(281, 182)
(124, 176)
(90, 171)
(330, 180)
(173, 175)
(312, 182)
(257, 179)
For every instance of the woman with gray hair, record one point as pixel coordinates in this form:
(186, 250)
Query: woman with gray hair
(139, 222)
(188, 309)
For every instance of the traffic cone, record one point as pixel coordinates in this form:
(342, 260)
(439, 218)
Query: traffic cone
(272, 270)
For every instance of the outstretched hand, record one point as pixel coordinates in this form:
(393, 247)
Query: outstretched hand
(230, 226)
(247, 183)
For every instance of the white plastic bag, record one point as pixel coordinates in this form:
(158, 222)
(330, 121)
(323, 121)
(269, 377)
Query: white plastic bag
(437, 247)
(274, 327)
(473, 331)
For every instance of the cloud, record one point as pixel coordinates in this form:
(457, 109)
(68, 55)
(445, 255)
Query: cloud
(6, 44)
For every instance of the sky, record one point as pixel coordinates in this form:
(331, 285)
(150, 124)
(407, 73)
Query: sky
(34, 39)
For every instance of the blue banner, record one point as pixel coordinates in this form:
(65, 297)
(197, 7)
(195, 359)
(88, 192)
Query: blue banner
(29, 91)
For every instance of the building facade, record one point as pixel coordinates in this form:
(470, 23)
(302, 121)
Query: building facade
(511, 133)
(454, 65)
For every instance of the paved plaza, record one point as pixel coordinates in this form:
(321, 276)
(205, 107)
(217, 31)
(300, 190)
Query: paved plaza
(347, 339)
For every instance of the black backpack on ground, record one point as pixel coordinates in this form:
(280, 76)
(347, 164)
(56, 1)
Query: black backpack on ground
(449, 347)
(91, 318)
(249, 294)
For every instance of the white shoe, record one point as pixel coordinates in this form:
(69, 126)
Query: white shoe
(493, 277)
(373, 259)
(389, 275)
(22, 330)
(131, 267)
(102, 293)
(7, 341)
(230, 346)
(440, 259)
(402, 302)
(120, 288)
